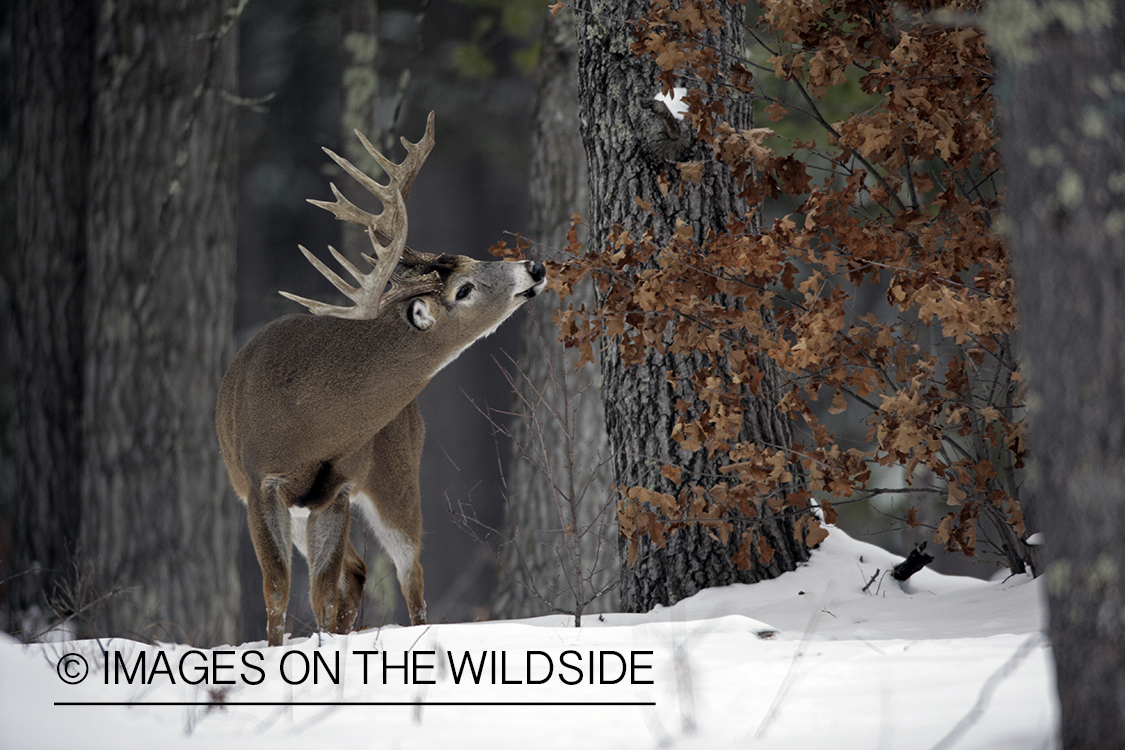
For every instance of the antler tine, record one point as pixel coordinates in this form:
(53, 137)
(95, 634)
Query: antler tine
(389, 225)
(416, 153)
(329, 274)
(356, 295)
(400, 180)
(343, 209)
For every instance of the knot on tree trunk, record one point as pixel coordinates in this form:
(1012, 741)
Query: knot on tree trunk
(664, 137)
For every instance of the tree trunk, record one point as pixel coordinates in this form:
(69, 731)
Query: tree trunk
(560, 550)
(359, 85)
(1065, 157)
(624, 162)
(154, 545)
(52, 48)
(360, 89)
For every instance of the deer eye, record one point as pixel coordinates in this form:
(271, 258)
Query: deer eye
(465, 290)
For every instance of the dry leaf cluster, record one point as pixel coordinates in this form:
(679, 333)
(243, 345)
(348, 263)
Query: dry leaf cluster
(897, 202)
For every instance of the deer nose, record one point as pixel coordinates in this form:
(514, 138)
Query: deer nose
(536, 270)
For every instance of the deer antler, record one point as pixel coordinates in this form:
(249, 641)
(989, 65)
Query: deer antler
(389, 226)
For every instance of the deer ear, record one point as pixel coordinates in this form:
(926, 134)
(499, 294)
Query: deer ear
(419, 315)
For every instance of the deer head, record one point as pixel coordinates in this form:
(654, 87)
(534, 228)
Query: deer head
(318, 411)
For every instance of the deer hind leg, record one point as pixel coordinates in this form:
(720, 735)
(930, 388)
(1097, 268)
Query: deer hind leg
(352, 577)
(268, 518)
(353, 574)
(335, 586)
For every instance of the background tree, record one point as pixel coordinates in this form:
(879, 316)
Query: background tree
(560, 544)
(50, 84)
(684, 531)
(1064, 147)
(364, 107)
(121, 495)
(361, 96)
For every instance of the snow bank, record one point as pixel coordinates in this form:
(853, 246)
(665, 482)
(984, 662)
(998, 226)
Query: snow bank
(808, 660)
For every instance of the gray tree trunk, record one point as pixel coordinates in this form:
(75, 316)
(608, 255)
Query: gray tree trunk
(52, 46)
(614, 88)
(361, 90)
(560, 550)
(1064, 149)
(359, 84)
(158, 523)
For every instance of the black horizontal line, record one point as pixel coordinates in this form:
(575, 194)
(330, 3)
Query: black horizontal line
(220, 704)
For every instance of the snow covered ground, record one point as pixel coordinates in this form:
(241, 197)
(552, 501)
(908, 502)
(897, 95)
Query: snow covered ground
(806, 661)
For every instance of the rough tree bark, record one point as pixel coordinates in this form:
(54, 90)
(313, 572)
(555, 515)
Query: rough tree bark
(50, 98)
(1064, 152)
(614, 88)
(154, 284)
(561, 548)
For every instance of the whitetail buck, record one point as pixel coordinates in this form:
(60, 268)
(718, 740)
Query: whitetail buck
(318, 411)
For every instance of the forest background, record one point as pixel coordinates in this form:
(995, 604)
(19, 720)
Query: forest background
(473, 63)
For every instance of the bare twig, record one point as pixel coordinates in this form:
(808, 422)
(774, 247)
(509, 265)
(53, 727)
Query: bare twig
(871, 581)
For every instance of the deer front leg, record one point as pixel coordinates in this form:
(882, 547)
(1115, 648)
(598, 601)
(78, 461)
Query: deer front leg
(327, 535)
(413, 592)
(268, 518)
(391, 500)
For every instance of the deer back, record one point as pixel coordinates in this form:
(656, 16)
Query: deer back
(309, 391)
